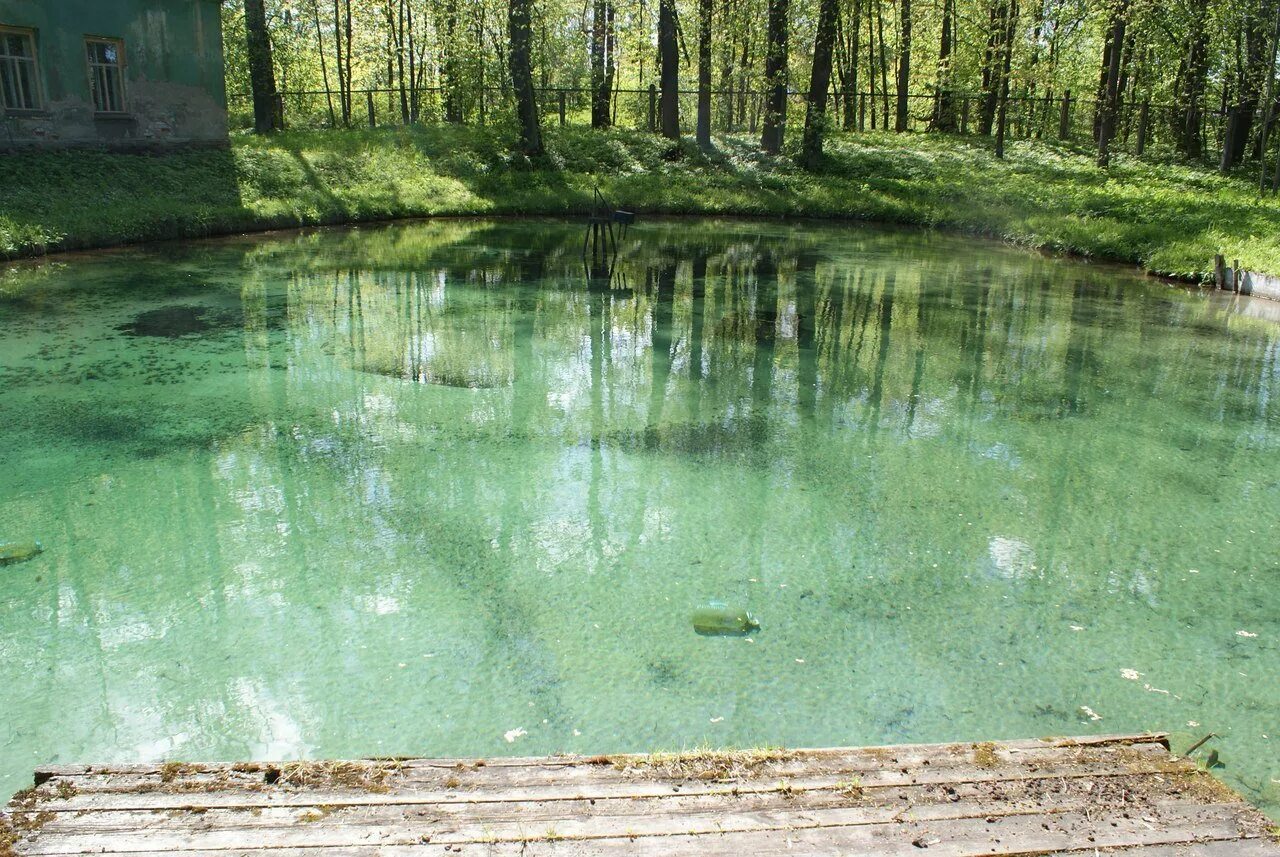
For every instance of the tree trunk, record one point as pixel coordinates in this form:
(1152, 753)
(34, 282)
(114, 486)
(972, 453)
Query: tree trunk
(871, 62)
(704, 73)
(324, 69)
(1196, 65)
(1002, 111)
(775, 78)
(519, 53)
(884, 63)
(904, 66)
(399, 43)
(338, 66)
(413, 66)
(262, 75)
(669, 70)
(601, 63)
(944, 114)
(346, 101)
(849, 39)
(993, 69)
(815, 111)
(1111, 102)
(452, 103)
(1248, 89)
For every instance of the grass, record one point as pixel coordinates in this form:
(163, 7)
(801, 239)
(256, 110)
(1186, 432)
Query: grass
(704, 763)
(1167, 217)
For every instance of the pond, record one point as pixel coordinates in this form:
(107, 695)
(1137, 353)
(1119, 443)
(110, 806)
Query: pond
(440, 489)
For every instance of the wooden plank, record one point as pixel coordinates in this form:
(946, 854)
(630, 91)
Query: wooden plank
(878, 753)
(1016, 835)
(90, 801)
(478, 823)
(1260, 847)
(883, 768)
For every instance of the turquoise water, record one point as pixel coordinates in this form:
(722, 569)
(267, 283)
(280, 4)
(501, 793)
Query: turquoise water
(435, 489)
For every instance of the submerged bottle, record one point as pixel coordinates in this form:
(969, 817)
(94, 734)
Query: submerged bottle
(718, 618)
(19, 551)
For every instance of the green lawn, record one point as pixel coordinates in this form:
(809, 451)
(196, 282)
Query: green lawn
(1169, 218)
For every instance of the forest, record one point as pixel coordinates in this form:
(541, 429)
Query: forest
(1191, 79)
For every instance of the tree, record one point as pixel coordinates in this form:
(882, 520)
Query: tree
(944, 113)
(451, 75)
(262, 75)
(995, 61)
(703, 130)
(520, 51)
(815, 112)
(602, 63)
(848, 33)
(669, 73)
(1002, 110)
(775, 78)
(1191, 80)
(904, 65)
(1111, 99)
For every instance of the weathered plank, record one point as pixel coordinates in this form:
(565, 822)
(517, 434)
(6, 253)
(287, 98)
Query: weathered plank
(878, 753)
(596, 782)
(1012, 834)
(1043, 797)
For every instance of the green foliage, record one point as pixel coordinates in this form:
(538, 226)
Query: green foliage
(1169, 218)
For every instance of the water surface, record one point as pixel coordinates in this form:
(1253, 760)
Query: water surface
(418, 490)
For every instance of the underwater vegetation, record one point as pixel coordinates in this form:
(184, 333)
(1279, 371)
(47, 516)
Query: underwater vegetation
(14, 552)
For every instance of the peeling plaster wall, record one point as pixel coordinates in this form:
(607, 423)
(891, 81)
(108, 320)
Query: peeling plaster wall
(174, 91)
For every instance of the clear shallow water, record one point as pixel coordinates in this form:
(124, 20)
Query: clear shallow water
(400, 491)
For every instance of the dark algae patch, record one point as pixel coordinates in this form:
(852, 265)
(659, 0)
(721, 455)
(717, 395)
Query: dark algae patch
(175, 321)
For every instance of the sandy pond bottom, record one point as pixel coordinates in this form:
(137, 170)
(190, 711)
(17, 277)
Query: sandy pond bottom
(439, 489)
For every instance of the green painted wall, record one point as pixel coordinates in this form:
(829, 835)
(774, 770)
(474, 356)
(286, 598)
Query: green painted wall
(174, 89)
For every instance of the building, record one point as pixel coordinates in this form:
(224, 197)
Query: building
(116, 73)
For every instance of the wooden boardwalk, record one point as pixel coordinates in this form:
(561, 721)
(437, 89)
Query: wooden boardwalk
(1083, 796)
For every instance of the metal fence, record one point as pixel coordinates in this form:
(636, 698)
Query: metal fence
(1140, 125)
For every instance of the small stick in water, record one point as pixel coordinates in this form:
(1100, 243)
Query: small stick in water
(1200, 743)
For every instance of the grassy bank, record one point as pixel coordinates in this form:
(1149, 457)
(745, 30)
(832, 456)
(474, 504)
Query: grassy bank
(1171, 219)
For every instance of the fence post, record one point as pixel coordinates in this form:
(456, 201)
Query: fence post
(1143, 115)
(482, 106)
(368, 97)
(1064, 117)
(862, 111)
(653, 108)
(964, 115)
(562, 108)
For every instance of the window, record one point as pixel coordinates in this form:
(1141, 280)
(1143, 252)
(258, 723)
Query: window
(18, 88)
(106, 79)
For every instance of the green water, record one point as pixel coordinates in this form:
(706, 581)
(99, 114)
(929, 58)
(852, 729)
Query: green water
(417, 490)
